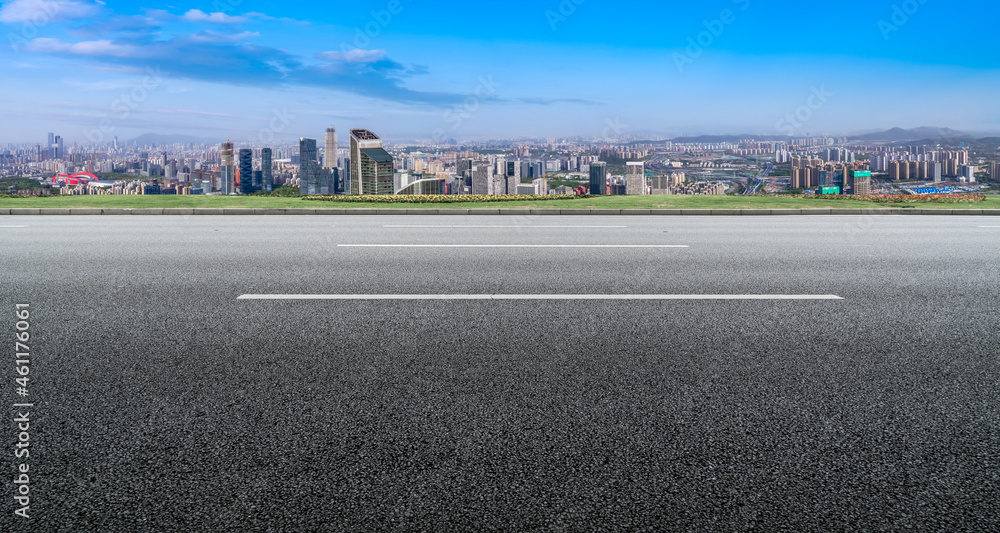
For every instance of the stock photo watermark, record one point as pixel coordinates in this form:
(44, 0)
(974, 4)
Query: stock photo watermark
(47, 13)
(226, 6)
(22, 407)
(280, 120)
(459, 113)
(613, 128)
(900, 16)
(380, 20)
(696, 45)
(563, 11)
(794, 121)
(123, 106)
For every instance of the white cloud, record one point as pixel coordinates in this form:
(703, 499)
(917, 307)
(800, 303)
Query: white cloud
(45, 11)
(83, 48)
(354, 56)
(197, 15)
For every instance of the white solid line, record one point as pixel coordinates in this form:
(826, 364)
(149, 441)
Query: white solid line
(13, 226)
(503, 227)
(539, 297)
(512, 245)
(989, 226)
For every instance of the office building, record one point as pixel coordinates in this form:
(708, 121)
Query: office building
(422, 186)
(967, 173)
(599, 178)
(330, 155)
(227, 163)
(512, 184)
(313, 179)
(482, 178)
(635, 178)
(225, 180)
(371, 166)
(266, 172)
(995, 172)
(246, 171)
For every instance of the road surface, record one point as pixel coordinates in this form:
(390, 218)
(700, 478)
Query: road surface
(164, 402)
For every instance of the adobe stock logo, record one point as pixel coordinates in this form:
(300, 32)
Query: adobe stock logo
(900, 16)
(713, 30)
(459, 113)
(379, 22)
(794, 121)
(123, 106)
(566, 9)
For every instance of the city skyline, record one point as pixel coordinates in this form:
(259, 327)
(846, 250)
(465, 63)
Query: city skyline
(249, 71)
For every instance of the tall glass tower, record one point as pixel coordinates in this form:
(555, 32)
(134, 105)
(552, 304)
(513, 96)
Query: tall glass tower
(599, 178)
(267, 177)
(246, 171)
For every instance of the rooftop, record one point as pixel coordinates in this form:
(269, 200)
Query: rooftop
(364, 135)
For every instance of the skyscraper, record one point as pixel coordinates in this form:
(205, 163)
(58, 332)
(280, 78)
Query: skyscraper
(246, 171)
(635, 178)
(267, 178)
(599, 178)
(313, 179)
(229, 176)
(481, 178)
(330, 157)
(371, 166)
(50, 146)
(225, 180)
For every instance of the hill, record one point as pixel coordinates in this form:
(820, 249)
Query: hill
(900, 134)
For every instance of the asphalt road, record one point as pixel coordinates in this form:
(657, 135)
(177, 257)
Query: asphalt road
(164, 403)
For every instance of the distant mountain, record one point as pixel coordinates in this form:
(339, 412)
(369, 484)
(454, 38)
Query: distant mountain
(899, 134)
(157, 139)
(716, 139)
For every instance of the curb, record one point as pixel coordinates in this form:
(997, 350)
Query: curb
(491, 212)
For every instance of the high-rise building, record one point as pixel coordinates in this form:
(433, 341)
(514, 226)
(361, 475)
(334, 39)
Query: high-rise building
(246, 171)
(482, 178)
(227, 163)
(313, 179)
(599, 178)
(512, 183)
(372, 169)
(330, 156)
(266, 175)
(635, 178)
(50, 146)
(463, 167)
(861, 182)
(995, 172)
(225, 180)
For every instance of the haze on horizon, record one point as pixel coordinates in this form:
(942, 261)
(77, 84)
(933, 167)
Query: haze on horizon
(439, 70)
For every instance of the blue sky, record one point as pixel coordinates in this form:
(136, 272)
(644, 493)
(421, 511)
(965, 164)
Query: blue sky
(256, 70)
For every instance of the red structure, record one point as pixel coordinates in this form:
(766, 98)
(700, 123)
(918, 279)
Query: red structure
(80, 178)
